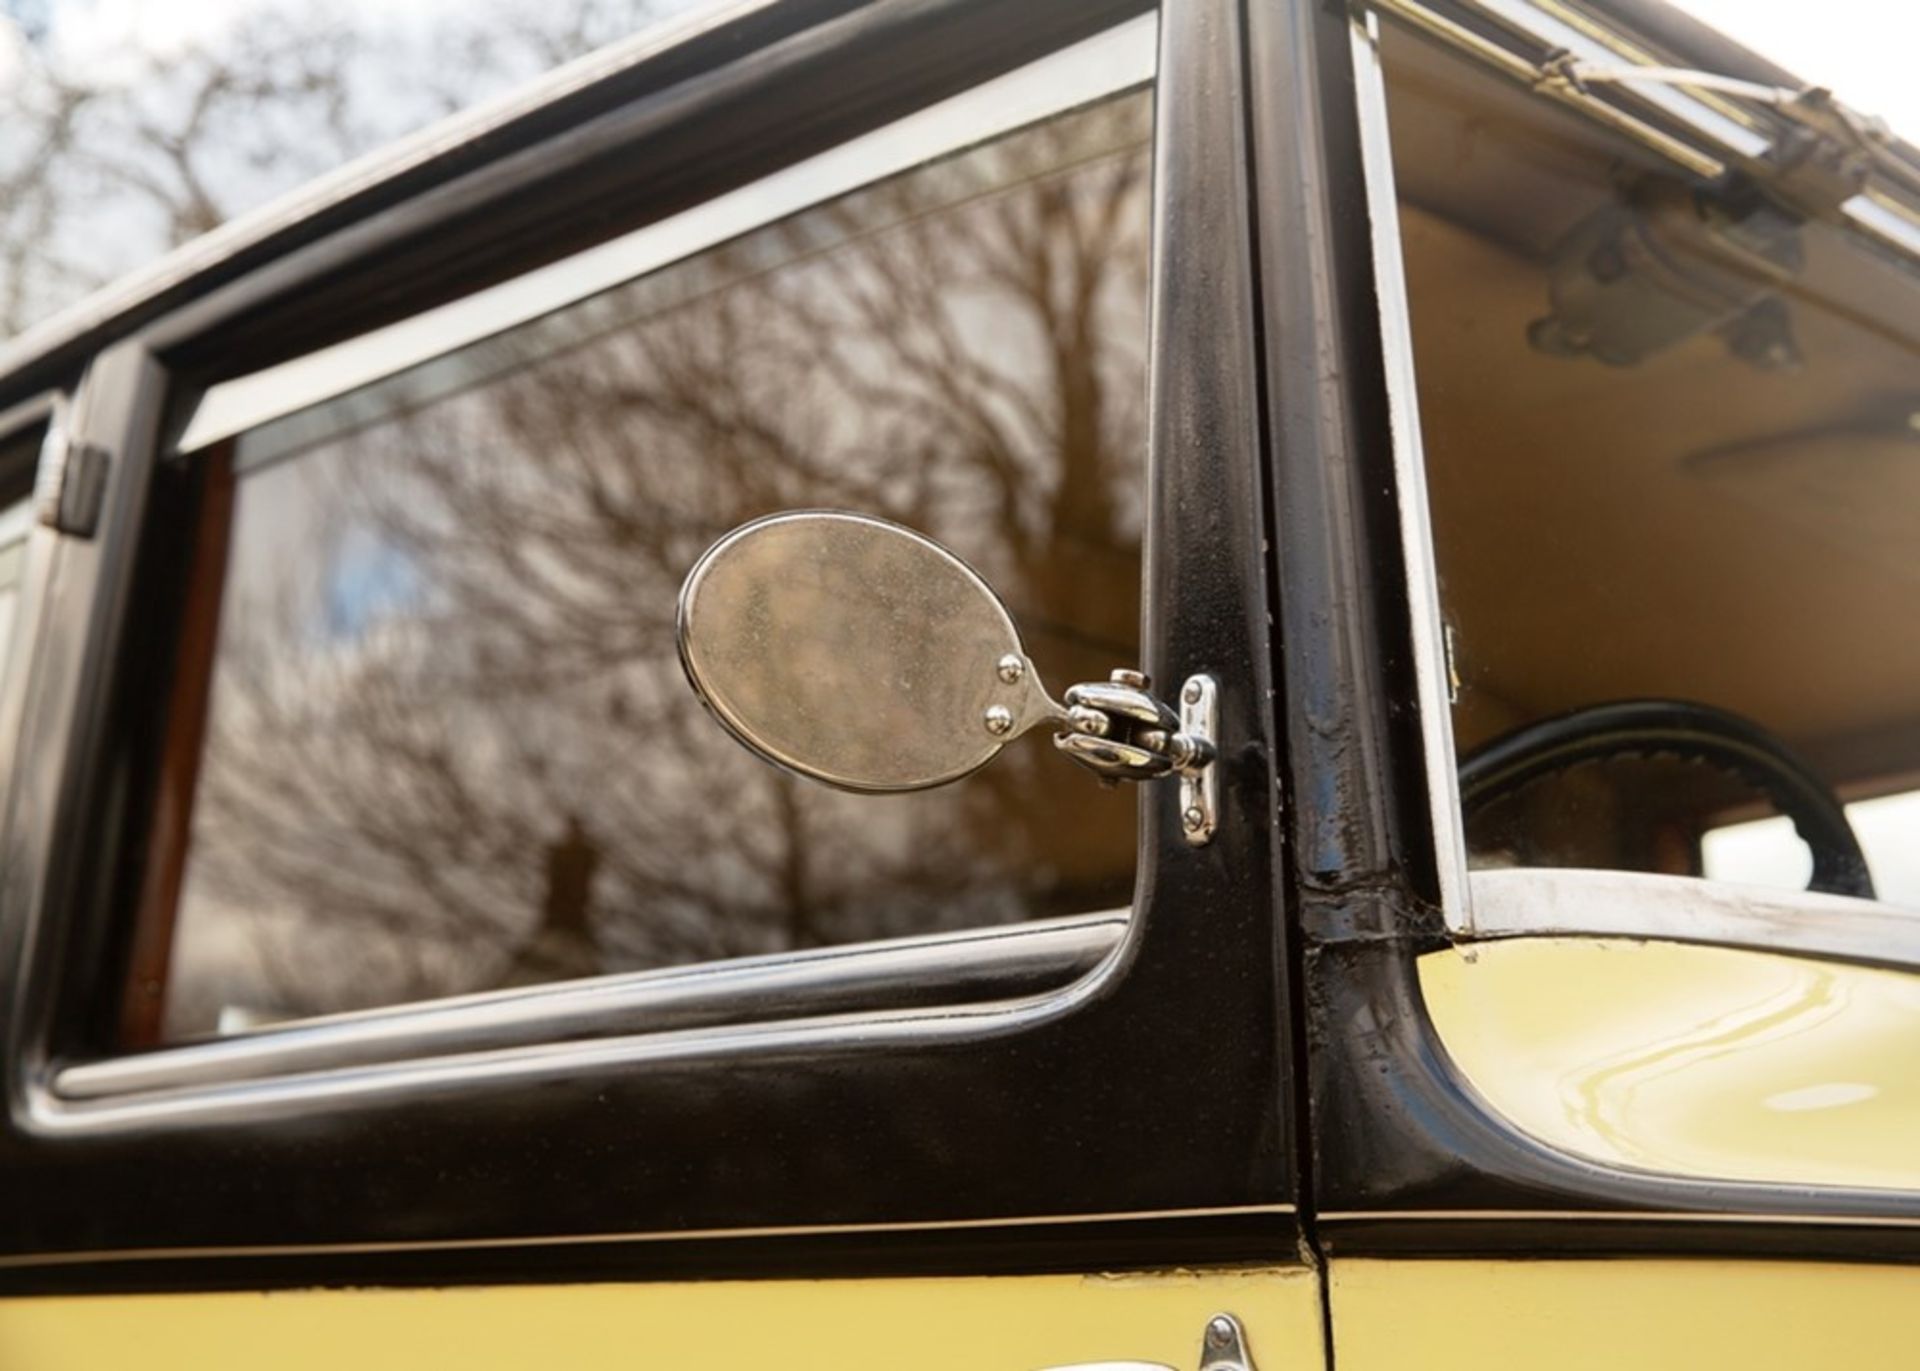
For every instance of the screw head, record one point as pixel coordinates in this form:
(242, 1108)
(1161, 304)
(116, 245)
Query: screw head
(1193, 818)
(999, 720)
(1011, 667)
(1125, 676)
(1219, 1327)
(1192, 693)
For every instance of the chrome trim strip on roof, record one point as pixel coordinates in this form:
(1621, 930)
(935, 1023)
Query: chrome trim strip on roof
(1119, 59)
(949, 966)
(1535, 902)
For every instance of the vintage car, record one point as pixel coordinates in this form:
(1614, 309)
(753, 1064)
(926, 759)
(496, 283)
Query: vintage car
(1427, 668)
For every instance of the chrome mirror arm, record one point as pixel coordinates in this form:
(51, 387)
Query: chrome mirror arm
(1119, 731)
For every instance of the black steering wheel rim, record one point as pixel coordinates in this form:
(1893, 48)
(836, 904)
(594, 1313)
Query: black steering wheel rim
(1685, 729)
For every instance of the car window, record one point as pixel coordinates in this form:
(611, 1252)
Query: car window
(1672, 435)
(436, 731)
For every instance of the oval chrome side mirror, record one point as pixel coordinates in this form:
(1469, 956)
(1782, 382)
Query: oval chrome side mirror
(865, 655)
(856, 652)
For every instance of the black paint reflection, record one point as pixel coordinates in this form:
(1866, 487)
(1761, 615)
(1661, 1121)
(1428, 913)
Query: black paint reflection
(449, 745)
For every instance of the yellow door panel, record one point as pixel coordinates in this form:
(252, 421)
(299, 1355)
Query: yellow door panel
(1646, 1315)
(1695, 1061)
(1011, 1323)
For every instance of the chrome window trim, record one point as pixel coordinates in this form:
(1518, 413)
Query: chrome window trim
(1546, 902)
(1119, 59)
(950, 968)
(418, 1078)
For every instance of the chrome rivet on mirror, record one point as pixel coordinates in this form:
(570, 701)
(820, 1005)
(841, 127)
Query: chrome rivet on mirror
(1193, 820)
(1011, 668)
(1192, 693)
(1219, 1331)
(999, 720)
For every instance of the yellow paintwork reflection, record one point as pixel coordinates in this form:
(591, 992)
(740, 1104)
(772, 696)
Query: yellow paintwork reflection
(1622, 1316)
(1704, 1061)
(1014, 1323)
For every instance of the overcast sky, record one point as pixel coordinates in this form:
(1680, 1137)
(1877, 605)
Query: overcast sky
(1863, 49)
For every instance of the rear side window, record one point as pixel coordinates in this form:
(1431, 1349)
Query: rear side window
(435, 731)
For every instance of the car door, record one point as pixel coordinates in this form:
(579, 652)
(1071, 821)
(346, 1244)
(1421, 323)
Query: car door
(405, 969)
(1596, 1079)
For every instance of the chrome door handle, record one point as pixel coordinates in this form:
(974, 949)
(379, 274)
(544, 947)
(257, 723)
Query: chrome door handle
(1222, 1348)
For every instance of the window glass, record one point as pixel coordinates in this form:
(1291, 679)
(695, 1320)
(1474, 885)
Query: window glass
(1769, 852)
(1672, 435)
(447, 743)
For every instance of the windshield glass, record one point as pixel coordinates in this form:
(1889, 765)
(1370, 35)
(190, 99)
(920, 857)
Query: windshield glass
(1672, 433)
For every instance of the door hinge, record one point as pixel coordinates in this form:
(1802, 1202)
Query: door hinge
(70, 487)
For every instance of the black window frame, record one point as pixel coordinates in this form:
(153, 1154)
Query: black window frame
(1142, 1114)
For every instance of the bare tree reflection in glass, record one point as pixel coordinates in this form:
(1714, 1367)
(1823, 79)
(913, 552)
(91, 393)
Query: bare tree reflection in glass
(450, 747)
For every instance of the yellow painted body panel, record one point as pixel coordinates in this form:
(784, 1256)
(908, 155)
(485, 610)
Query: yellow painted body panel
(1010, 1323)
(1667, 1315)
(1700, 1061)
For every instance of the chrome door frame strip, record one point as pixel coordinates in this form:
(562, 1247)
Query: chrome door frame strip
(1536, 902)
(1410, 473)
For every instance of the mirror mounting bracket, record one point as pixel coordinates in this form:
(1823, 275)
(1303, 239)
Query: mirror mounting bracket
(864, 655)
(1121, 732)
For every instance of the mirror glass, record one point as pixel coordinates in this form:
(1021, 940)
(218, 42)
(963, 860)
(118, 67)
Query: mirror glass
(855, 651)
